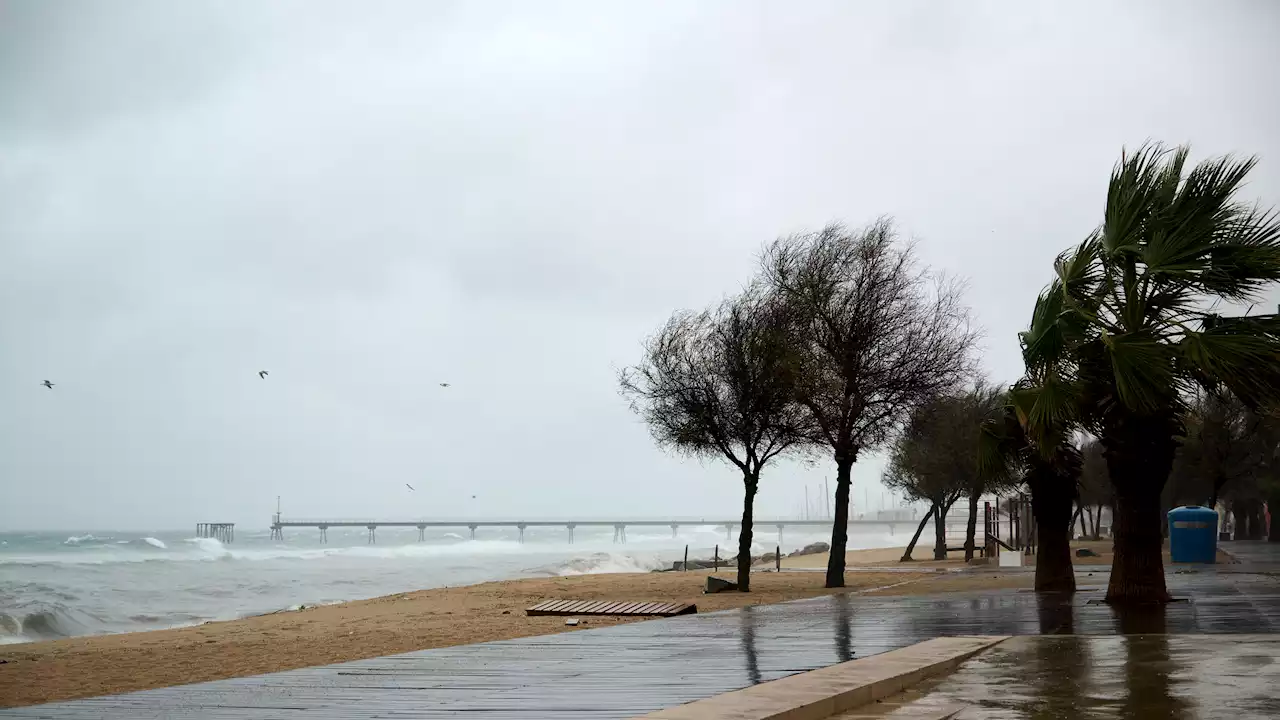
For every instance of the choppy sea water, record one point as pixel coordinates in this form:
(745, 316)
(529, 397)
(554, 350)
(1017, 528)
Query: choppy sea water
(84, 583)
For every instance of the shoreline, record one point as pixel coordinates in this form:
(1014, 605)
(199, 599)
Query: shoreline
(90, 665)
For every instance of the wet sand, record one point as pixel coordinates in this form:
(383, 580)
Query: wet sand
(102, 664)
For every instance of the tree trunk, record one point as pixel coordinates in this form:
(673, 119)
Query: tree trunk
(972, 529)
(1071, 526)
(1086, 523)
(1249, 519)
(840, 523)
(1139, 452)
(940, 532)
(750, 483)
(1051, 504)
(1097, 523)
(1137, 572)
(906, 556)
(1273, 529)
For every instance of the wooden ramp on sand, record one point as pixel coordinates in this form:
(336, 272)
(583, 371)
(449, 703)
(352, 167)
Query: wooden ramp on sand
(610, 607)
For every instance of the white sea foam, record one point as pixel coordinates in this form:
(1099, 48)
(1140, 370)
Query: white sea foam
(155, 543)
(601, 563)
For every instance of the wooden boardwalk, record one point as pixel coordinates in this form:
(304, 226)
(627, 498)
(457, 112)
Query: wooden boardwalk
(628, 670)
(604, 607)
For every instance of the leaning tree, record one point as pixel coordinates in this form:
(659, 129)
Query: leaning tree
(876, 335)
(1142, 299)
(720, 383)
(935, 458)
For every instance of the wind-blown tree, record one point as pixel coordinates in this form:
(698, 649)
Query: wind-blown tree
(1140, 329)
(720, 384)
(935, 458)
(1033, 440)
(876, 335)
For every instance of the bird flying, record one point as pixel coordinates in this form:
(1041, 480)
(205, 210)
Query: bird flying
(444, 384)
(410, 487)
(262, 374)
(47, 384)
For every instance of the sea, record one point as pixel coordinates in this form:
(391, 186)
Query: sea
(65, 584)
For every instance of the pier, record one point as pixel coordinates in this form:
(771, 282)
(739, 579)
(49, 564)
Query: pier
(222, 532)
(278, 525)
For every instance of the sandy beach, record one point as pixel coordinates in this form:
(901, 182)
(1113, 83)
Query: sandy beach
(100, 664)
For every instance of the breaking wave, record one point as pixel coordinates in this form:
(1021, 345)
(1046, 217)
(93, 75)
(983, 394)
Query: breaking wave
(601, 563)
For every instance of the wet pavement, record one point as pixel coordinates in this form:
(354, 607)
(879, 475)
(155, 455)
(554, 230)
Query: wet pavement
(628, 670)
(1138, 677)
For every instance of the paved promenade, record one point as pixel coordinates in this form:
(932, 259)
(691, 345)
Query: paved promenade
(627, 670)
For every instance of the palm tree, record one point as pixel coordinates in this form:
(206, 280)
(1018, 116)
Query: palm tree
(1033, 441)
(1136, 327)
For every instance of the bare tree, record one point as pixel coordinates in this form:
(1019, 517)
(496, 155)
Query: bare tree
(720, 384)
(877, 334)
(1095, 485)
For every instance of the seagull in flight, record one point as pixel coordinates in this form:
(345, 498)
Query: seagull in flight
(47, 384)
(444, 384)
(410, 487)
(263, 374)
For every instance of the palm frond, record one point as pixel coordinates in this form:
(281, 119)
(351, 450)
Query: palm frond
(1142, 369)
(1242, 353)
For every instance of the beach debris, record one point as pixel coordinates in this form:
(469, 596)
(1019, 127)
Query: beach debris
(263, 374)
(719, 585)
(506, 612)
(1086, 552)
(47, 384)
(571, 622)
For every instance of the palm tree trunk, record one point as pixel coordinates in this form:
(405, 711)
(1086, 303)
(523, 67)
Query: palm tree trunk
(1137, 572)
(750, 483)
(906, 556)
(972, 529)
(840, 523)
(1139, 453)
(1051, 504)
(1078, 515)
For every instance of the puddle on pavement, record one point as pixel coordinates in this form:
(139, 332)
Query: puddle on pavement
(1141, 677)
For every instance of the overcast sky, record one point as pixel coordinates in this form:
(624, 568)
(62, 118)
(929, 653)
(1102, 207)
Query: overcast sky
(367, 199)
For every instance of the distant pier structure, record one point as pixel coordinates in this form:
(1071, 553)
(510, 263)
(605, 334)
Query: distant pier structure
(222, 532)
(279, 523)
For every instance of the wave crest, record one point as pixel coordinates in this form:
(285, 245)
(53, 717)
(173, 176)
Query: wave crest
(599, 564)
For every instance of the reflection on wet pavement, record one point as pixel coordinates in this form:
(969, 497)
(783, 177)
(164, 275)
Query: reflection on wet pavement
(1143, 677)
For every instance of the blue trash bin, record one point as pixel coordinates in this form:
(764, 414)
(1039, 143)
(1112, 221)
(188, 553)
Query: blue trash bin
(1193, 535)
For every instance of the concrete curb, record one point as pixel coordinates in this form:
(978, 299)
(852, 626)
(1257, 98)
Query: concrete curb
(823, 693)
